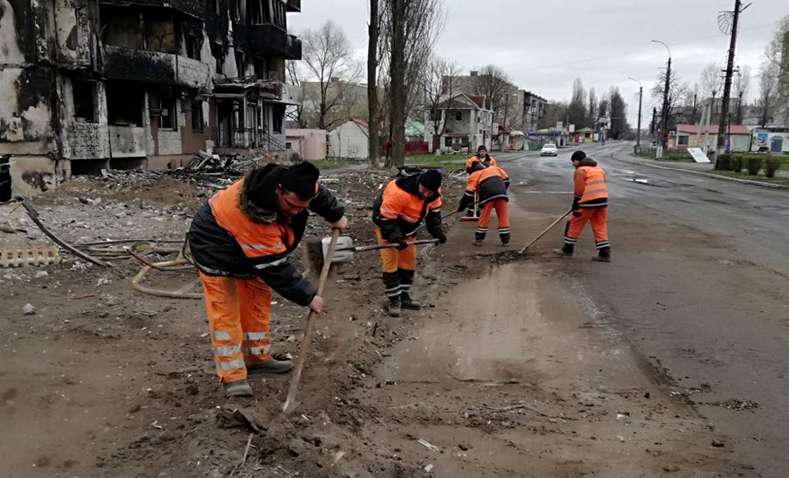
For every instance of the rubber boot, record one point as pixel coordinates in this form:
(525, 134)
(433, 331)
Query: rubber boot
(393, 307)
(567, 250)
(238, 388)
(604, 255)
(271, 365)
(407, 303)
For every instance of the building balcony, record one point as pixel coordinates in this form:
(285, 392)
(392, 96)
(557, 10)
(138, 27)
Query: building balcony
(194, 8)
(145, 66)
(267, 39)
(294, 5)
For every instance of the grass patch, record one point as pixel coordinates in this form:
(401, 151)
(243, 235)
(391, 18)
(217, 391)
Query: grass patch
(761, 178)
(444, 161)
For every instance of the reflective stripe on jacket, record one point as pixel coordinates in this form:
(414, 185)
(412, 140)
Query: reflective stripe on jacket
(590, 186)
(398, 209)
(232, 237)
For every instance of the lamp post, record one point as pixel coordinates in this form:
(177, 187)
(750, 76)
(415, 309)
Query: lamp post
(638, 131)
(664, 128)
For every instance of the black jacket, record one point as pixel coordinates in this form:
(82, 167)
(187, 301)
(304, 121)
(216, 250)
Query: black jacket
(395, 230)
(217, 253)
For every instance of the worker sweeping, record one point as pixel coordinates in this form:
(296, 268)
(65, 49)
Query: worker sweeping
(489, 185)
(398, 211)
(240, 242)
(482, 157)
(590, 204)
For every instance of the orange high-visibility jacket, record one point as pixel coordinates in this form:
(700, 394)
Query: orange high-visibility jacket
(398, 210)
(491, 161)
(590, 186)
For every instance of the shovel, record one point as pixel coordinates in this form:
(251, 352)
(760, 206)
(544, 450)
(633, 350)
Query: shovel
(318, 250)
(544, 232)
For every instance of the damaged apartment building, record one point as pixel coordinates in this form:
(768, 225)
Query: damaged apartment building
(92, 84)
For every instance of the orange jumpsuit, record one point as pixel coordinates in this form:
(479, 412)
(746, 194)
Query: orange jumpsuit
(591, 205)
(490, 186)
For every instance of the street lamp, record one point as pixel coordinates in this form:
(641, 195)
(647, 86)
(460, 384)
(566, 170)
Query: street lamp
(664, 133)
(638, 131)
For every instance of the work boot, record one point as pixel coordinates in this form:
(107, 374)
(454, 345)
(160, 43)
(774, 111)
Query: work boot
(604, 255)
(566, 251)
(271, 365)
(239, 388)
(477, 243)
(393, 307)
(407, 303)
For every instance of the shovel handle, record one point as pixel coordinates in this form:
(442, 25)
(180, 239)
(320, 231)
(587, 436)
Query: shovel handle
(306, 341)
(389, 246)
(544, 232)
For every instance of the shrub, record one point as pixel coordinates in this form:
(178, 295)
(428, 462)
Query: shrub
(723, 163)
(754, 165)
(736, 164)
(771, 165)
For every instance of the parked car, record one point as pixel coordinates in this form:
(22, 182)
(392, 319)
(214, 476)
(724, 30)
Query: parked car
(549, 149)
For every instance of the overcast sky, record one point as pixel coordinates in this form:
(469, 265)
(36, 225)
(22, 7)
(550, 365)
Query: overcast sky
(544, 46)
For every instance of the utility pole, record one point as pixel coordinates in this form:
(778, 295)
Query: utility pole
(666, 89)
(727, 83)
(638, 131)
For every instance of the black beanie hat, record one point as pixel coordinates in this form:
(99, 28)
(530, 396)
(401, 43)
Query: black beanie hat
(301, 179)
(431, 179)
(482, 148)
(578, 156)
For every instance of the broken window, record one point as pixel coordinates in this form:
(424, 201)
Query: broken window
(5, 178)
(160, 31)
(279, 117)
(260, 67)
(240, 64)
(255, 11)
(84, 94)
(122, 27)
(197, 116)
(193, 46)
(459, 116)
(162, 104)
(217, 53)
(124, 103)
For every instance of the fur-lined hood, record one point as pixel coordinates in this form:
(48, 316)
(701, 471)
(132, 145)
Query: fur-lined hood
(257, 197)
(587, 161)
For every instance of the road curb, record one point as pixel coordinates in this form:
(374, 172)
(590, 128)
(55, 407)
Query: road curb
(762, 184)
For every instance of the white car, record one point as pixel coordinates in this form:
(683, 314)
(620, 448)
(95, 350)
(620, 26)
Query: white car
(549, 149)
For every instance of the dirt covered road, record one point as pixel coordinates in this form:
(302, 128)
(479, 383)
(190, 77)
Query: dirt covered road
(515, 368)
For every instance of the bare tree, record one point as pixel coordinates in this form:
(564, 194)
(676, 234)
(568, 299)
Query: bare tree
(373, 30)
(768, 92)
(438, 86)
(293, 79)
(743, 89)
(576, 111)
(492, 83)
(777, 54)
(554, 113)
(678, 91)
(592, 113)
(619, 126)
(329, 57)
(710, 83)
(409, 27)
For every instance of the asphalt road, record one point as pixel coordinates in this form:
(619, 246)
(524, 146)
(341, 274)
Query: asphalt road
(698, 285)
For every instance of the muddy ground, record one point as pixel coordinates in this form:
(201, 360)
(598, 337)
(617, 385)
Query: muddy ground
(510, 370)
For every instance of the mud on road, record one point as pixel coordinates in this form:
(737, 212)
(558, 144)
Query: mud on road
(510, 370)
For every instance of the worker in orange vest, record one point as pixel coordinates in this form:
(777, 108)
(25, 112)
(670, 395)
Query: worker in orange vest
(240, 242)
(482, 157)
(590, 204)
(398, 210)
(489, 185)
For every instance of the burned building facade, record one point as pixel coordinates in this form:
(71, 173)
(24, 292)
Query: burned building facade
(92, 84)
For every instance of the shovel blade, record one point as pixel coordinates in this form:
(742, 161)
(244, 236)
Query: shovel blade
(340, 256)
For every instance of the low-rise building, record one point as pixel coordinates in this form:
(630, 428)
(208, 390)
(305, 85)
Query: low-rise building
(692, 136)
(465, 123)
(308, 144)
(93, 84)
(350, 140)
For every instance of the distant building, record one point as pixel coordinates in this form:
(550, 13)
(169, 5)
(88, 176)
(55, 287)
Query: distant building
(308, 144)
(691, 136)
(533, 110)
(350, 140)
(464, 124)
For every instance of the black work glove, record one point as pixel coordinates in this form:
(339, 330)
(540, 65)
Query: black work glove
(461, 207)
(442, 238)
(577, 213)
(402, 245)
(574, 207)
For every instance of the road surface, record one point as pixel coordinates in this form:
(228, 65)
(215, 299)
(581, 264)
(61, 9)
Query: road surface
(697, 286)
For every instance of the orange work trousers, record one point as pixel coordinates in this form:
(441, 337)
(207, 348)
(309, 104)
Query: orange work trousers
(598, 216)
(398, 267)
(238, 323)
(501, 206)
